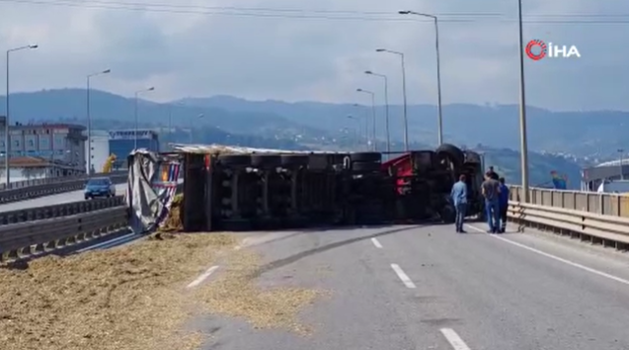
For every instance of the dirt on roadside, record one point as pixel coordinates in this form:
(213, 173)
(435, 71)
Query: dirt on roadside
(127, 298)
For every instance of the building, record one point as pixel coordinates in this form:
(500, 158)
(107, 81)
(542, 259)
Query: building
(592, 177)
(100, 149)
(54, 149)
(123, 142)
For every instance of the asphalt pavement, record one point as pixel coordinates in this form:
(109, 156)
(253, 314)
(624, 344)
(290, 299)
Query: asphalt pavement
(60, 198)
(426, 287)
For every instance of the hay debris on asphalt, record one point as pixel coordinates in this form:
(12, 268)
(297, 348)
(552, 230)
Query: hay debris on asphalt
(235, 294)
(173, 221)
(128, 298)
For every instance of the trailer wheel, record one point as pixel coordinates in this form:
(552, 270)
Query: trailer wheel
(365, 166)
(235, 159)
(452, 153)
(266, 160)
(293, 160)
(366, 157)
(448, 214)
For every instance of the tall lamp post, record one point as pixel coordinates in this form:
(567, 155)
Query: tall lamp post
(366, 116)
(524, 148)
(373, 116)
(403, 93)
(7, 145)
(135, 138)
(358, 127)
(386, 102)
(89, 120)
(436, 21)
(200, 116)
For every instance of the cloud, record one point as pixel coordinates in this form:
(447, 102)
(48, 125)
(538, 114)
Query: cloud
(185, 50)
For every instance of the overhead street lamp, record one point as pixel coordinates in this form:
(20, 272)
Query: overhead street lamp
(358, 127)
(7, 145)
(200, 116)
(89, 120)
(135, 139)
(436, 21)
(366, 119)
(524, 148)
(386, 101)
(403, 93)
(373, 116)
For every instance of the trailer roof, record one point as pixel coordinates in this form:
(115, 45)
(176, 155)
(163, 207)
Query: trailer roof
(217, 149)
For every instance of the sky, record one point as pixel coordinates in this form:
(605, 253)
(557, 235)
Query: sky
(301, 50)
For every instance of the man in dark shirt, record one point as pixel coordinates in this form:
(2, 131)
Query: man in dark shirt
(504, 204)
(491, 191)
(492, 173)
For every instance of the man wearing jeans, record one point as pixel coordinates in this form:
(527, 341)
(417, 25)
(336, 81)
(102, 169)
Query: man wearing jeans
(491, 192)
(504, 204)
(459, 198)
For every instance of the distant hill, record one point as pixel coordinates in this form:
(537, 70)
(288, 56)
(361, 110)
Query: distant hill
(70, 104)
(586, 133)
(315, 125)
(507, 164)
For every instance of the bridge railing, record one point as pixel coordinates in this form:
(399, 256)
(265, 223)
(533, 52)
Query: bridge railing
(595, 217)
(591, 202)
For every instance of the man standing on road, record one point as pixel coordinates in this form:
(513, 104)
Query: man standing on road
(504, 204)
(492, 173)
(459, 198)
(491, 192)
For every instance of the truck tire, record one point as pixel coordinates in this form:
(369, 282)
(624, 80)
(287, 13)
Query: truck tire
(366, 157)
(365, 166)
(294, 160)
(266, 160)
(452, 153)
(235, 159)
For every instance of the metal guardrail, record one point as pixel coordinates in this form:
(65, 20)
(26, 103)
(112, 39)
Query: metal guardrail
(58, 210)
(600, 218)
(52, 180)
(28, 239)
(35, 191)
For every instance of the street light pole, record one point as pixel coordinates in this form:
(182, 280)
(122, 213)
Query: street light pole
(436, 22)
(373, 116)
(357, 128)
(89, 120)
(191, 122)
(367, 134)
(386, 101)
(7, 145)
(403, 93)
(135, 138)
(524, 149)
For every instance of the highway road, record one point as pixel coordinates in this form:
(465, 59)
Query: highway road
(60, 198)
(426, 287)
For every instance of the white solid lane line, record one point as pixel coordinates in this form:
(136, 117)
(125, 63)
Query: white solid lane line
(203, 277)
(565, 261)
(376, 243)
(400, 273)
(455, 341)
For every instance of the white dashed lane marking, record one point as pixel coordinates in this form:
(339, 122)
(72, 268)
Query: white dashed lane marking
(403, 276)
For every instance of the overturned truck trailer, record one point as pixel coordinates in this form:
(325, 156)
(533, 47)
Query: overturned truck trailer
(238, 188)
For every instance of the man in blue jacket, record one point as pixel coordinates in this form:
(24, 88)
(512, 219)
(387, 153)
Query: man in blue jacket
(459, 198)
(503, 204)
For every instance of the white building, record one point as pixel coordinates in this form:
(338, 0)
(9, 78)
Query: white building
(100, 149)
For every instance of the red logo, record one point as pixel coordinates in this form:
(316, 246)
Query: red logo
(542, 47)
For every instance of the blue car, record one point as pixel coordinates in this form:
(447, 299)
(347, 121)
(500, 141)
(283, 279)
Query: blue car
(99, 187)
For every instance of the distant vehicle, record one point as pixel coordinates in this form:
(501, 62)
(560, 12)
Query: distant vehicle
(99, 187)
(618, 186)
